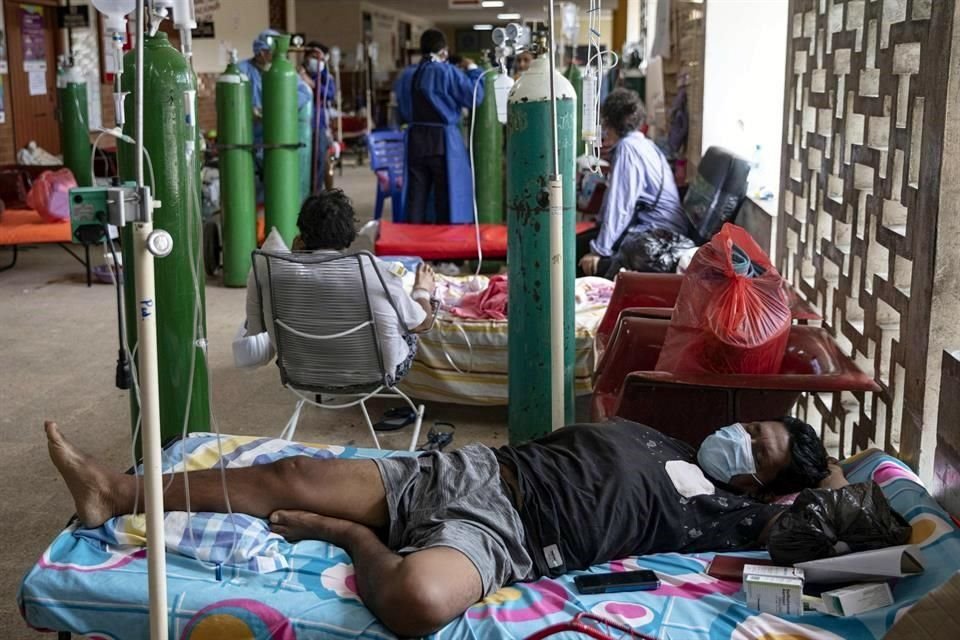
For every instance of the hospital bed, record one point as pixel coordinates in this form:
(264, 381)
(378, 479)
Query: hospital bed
(464, 361)
(84, 585)
(446, 241)
(20, 227)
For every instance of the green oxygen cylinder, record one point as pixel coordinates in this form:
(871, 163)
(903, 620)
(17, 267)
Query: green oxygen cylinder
(75, 125)
(305, 135)
(529, 166)
(238, 205)
(168, 85)
(488, 156)
(280, 135)
(575, 77)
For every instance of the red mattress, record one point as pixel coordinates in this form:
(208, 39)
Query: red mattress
(445, 241)
(25, 226)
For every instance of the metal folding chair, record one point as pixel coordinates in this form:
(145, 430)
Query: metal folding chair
(317, 308)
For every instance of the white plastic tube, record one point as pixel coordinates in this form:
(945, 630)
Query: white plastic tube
(558, 397)
(150, 412)
(149, 375)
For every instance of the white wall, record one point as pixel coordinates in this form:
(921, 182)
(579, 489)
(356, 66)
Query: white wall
(743, 78)
(236, 23)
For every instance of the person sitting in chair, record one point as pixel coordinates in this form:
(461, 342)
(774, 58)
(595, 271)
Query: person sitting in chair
(641, 191)
(431, 535)
(327, 225)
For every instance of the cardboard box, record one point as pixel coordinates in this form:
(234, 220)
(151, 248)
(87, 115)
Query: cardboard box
(858, 598)
(776, 590)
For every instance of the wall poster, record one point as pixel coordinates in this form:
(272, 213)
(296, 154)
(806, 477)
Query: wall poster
(3, 47)
(34, 38)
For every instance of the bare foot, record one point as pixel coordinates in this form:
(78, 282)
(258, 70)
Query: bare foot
(297, 525)
(89, 482)
(426, 278)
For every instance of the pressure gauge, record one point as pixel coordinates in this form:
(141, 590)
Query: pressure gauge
(296, 40)
(499, 36)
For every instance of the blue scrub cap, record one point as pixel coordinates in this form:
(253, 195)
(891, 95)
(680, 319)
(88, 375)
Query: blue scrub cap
(262, 42)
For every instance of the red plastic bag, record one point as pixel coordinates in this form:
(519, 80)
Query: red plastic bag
(50, 195)
(725, 322)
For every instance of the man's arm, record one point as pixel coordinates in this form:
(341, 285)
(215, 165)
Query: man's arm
(616, 213)
(835, 479)
(464, 83)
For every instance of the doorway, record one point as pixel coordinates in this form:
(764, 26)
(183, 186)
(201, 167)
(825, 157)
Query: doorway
(32, 45)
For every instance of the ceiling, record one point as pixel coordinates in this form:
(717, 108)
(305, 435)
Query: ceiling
(438, 11)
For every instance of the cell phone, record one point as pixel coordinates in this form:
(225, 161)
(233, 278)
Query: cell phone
(643, 580)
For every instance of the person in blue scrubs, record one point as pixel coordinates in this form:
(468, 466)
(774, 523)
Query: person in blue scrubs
(319, 79)
(430, 96)
(254, 68)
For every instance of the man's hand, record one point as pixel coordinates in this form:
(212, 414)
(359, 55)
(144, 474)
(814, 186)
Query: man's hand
(467, 63)
(589, 263)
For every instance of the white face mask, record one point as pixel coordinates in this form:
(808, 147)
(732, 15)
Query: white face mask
(726, 453)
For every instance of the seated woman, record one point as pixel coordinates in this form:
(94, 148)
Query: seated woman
(327, 226)
(641, 192)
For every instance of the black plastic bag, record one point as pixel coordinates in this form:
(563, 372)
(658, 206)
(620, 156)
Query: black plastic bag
(823, 523)
(651, 251)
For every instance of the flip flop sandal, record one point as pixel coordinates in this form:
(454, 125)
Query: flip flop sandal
(395, 419)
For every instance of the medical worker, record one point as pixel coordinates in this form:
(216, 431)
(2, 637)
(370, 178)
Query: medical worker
(319, 79)
(430, 96)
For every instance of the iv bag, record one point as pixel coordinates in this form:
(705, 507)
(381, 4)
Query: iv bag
(501, 88)
(115, 7)
(115, 12)
(590, 131)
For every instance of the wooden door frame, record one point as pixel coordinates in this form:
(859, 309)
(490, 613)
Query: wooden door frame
(57, 45)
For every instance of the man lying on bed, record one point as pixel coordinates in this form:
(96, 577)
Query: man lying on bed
(430, 536)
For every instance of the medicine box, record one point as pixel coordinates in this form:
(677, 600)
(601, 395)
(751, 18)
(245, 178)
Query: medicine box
(776, 590)
(857, 599)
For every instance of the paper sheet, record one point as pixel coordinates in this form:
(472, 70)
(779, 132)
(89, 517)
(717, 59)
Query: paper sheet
(879, 564)
(38, 83)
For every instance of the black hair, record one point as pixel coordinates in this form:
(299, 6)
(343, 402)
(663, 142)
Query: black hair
(623, 111)
(326, 221)
(316, 44)
(808, 459)
(432, 41)
(454, 59)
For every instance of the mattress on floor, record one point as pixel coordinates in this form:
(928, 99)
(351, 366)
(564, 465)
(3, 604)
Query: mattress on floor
(465, 361)
(101, 593)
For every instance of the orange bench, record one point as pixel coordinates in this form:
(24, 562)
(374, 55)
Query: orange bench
(25, 226)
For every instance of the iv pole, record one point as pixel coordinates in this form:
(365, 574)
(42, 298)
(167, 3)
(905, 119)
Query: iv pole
(555, 186)
(146, 245)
